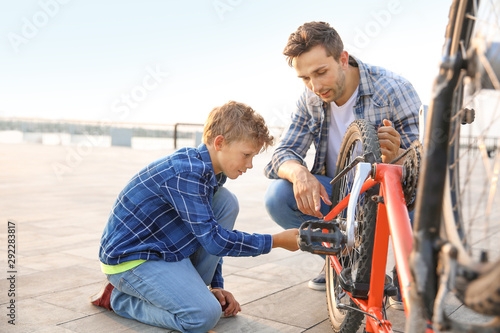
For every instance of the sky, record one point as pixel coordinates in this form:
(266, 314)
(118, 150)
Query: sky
(169, 61)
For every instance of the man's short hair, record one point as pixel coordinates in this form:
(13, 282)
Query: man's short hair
(237, 121)
(310, 35)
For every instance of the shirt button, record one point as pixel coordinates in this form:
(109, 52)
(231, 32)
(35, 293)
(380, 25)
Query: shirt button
(192, 250)
(168, 259)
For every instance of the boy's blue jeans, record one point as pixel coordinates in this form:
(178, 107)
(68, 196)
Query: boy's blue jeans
(174, 295)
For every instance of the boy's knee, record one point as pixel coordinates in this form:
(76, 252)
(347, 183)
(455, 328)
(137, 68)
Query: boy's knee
(205, 318)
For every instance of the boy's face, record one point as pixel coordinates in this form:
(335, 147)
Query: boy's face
(235, 158)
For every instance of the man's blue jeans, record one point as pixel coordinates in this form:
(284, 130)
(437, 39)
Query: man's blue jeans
(174, 295)
(282, 206)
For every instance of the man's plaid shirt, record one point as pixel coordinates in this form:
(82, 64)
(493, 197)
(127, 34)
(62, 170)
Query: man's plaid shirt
(381, 95)
(165, 213)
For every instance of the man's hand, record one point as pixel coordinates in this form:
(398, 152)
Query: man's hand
(227, 301)
(287, 239)
(307, 190)
(390, 141)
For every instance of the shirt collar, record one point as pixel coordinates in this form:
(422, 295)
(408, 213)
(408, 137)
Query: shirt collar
(365, 84)
(215, 180)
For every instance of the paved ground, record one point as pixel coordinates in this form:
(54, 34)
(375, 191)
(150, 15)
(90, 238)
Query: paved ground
(59, 198)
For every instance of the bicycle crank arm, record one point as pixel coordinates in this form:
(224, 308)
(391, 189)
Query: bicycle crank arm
(368, 158)
(312, 235)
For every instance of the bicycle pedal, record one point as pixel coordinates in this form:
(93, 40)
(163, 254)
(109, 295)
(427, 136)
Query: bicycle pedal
(389, 288)
(356, 289)
(312, 235)
(360, 290)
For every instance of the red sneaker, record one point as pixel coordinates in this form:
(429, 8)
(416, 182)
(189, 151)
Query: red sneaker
(103, 297)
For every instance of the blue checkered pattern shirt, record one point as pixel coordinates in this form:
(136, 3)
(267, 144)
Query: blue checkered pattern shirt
(164, 213)
(381, 95)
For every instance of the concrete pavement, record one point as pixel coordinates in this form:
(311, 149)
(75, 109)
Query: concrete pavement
(59, 198)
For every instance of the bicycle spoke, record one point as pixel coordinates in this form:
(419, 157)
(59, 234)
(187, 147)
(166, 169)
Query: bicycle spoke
(485, 158)
(489, 70)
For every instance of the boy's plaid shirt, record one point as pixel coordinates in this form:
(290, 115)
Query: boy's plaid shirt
(165, 213)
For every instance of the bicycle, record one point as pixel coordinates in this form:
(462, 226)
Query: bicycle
(355, 234)
(372, 203)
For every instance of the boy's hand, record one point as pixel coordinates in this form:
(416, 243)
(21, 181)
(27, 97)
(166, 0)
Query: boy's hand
(287, 239)
(390, 141)
(227, 301)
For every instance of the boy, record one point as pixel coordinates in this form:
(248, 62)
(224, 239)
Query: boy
(173, 222)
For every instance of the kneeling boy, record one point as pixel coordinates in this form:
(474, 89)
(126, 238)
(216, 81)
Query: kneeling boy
(172, 223)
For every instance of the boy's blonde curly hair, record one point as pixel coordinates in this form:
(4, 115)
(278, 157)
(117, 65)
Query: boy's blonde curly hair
(237, 122)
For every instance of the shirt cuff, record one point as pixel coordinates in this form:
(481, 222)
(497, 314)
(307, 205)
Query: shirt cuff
(271, 170)
(268, 244)
(217, 285)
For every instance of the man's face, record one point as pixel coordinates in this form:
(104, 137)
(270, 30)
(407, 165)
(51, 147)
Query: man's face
(235, 158)
(321, 73)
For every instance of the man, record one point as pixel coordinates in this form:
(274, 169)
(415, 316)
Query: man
(172, 223)
(339, 88)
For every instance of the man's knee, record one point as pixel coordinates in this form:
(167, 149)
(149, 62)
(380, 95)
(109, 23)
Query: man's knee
(226, 207)
(280, 203)
(276, 195)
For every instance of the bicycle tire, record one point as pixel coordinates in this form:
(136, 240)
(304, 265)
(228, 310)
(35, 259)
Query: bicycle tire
(453, 228)
(361, 137)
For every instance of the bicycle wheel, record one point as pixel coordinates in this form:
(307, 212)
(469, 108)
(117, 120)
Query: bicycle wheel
(471, 204)
(459, 173)
(360, 138)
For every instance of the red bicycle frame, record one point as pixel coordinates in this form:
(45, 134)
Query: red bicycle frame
(393, 220)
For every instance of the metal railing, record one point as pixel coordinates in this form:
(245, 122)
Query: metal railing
(121, 131)
(473, 142)
(176, 132)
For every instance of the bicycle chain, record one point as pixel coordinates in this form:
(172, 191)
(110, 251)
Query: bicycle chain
(411, 166)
